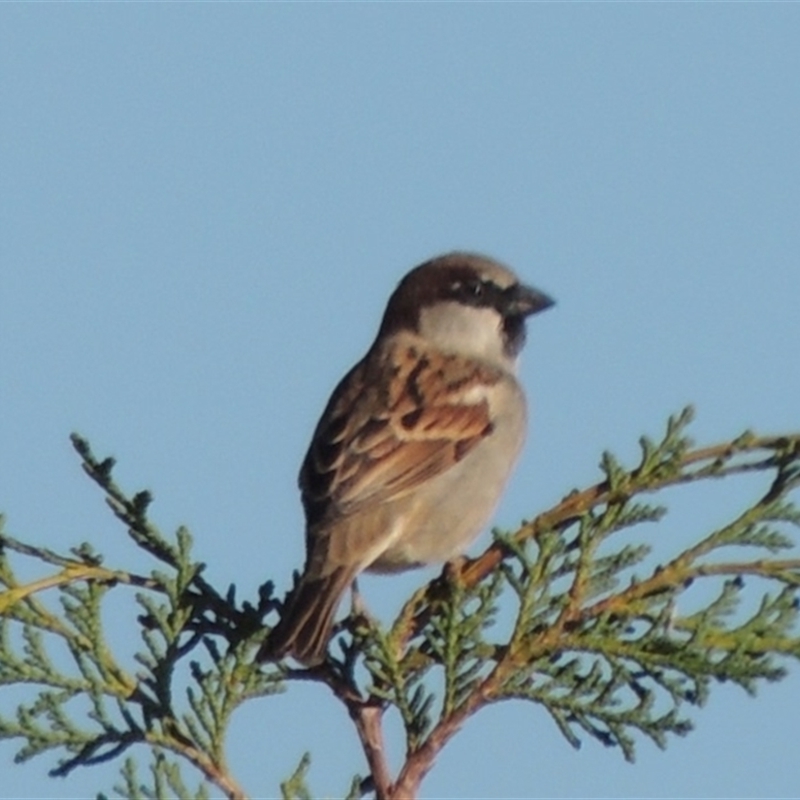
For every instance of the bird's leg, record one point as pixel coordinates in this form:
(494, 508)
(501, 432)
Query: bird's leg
(453, 570)
(359, 613)
(358, 607)
(448, 581)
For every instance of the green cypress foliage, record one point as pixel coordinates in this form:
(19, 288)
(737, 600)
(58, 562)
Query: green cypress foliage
(564, 613)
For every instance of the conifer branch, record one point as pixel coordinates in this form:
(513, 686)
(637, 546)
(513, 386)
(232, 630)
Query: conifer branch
(608, 644)
(596, 656)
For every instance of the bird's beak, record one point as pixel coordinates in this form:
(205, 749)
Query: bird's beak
(522, 301)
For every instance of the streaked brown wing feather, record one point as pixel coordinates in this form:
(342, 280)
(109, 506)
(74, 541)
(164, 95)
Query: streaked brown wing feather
(393, 422)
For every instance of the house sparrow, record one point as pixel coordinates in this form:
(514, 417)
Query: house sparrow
(416, 443)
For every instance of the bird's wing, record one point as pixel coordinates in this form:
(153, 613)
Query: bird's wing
(397, 419)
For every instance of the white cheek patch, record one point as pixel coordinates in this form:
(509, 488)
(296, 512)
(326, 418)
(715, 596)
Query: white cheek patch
(471, 331)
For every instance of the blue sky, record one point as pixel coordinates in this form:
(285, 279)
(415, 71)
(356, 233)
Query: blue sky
(205, 207)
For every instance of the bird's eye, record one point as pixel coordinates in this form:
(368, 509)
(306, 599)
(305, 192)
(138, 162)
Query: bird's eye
(472, 288)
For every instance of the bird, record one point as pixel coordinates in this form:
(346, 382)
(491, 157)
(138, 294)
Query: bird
(413, 450)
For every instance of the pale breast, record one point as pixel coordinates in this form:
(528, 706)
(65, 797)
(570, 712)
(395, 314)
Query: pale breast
(445, 515)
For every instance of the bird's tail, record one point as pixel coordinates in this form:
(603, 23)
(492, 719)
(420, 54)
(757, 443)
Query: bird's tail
(304, 629)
